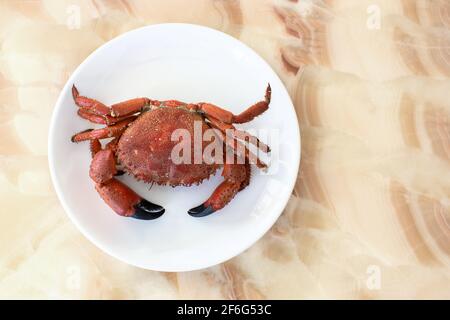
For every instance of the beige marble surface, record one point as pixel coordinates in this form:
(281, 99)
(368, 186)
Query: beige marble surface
(370, 213)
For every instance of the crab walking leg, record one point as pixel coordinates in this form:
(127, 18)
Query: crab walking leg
(123, 200)
(170, 103)
(246, 116)
(236, 146)
(129, 107)
(95, 146)
(110, 120)
(92, 117)
(107, 120)
(238, 134)
(237, 177)
(103, 133)
(88, 104)
(250, 157)
(97, 112)
(256, 109)
(247, 137)
(132, 106)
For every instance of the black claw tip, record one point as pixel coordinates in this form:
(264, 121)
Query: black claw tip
(146, 210)
(201, 211)
(120, 173)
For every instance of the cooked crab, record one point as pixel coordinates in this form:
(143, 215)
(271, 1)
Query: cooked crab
(142, 146)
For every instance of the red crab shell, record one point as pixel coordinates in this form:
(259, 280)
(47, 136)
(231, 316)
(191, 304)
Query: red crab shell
(142, 129)
(145, 147)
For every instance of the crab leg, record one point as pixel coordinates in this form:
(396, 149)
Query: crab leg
(107, 132)
(236, 146)
(249, 156)
(237, 177)
(108, 120)
(97, 112)
(95, 146)
(238, 134)
(129, 107)
(88, 104)
(92, 117)
(246, 116)
(123, 200)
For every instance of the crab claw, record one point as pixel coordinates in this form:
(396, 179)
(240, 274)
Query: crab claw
(237, 177)
(145, 210)
(201, 211)
(125, 202)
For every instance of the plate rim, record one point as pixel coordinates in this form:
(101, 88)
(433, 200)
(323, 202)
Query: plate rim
(58, 188)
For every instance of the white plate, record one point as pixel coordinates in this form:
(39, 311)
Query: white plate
(189, 63)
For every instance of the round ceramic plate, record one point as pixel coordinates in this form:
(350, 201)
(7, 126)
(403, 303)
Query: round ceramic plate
(192, 64)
